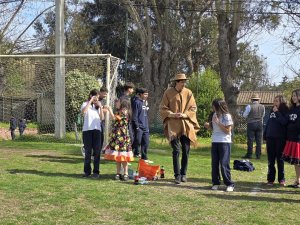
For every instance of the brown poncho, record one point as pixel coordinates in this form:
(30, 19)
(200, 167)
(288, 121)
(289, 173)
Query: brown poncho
(179, 102)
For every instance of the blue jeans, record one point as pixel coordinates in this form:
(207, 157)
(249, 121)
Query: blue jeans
(275, 148)
(254, 132)
(91, 141)
(182, 143)
(220, 157)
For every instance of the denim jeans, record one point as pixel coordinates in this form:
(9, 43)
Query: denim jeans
(91, 142)
(220, 157)
(182, 143)
(275, 148)
(254, 132)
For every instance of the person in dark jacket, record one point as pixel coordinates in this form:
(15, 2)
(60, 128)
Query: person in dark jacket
(275, 136)
(291, 152)
(12, 127)
(140, 123)
(22, 126)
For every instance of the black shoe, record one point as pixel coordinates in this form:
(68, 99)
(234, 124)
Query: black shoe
(183, 178)
(95, 176)
(294, 185)
(177, 180)
(86, 175)
(247, 156)
(125, 177)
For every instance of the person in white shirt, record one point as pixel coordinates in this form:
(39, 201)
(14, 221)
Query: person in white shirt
(221, 123)
(91, 133)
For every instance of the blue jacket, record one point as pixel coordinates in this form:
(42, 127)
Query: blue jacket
(276, 125)
(140, 114)
(293, 127)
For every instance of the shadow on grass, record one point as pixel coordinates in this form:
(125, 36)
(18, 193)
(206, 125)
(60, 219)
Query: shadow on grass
(64, 159)
(72, 175)
(231, 197)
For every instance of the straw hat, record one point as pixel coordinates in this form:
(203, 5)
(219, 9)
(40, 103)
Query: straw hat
(255, 96)
(179, 76)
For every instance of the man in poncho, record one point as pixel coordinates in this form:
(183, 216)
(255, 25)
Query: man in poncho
(178, 111)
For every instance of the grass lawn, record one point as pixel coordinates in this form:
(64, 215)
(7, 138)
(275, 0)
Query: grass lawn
(40, 183)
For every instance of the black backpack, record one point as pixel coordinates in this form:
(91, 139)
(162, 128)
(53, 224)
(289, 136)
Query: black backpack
(243, 165)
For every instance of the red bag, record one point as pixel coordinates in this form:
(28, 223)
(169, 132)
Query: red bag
(148, 171)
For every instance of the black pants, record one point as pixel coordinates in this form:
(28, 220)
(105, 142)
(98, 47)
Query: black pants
(177, 144)
(91, 142)
(254, 132)
(141, 143)
(220, 157)
(275, 148)
(12, 133)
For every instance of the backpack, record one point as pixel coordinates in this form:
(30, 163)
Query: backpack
(243, 165)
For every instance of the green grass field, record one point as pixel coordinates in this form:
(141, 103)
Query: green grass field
(40, 183)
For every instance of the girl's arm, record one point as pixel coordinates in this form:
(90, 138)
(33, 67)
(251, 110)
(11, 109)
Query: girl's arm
(85, 109)
(110, 112)
(225, 129)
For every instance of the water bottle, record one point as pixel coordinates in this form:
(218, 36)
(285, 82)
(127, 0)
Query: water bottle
(136, 177)
(162, 172)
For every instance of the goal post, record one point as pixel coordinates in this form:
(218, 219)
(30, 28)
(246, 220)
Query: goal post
(28, 89)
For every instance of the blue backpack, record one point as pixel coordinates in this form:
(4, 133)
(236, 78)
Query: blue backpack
(243, 165)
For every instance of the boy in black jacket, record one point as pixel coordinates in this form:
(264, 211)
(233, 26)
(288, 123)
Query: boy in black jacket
(140, 123)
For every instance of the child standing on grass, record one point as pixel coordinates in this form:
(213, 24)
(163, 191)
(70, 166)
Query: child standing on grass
(275, 136)
(91, 133)
(291, 152)
(119, 146)
(221, 124)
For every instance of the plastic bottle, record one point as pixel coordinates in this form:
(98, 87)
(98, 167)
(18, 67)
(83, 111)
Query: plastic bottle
(136, 177)
(162, 172)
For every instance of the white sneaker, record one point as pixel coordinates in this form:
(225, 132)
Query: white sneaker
(148, 161)
(215, 187)
(229, 188)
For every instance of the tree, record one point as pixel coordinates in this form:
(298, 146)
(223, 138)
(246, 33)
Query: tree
(235, 19)
(206, 87)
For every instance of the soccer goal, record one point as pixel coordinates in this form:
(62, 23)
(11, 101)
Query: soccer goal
(27, 90)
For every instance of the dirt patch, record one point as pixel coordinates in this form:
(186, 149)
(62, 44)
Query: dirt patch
(5, 133)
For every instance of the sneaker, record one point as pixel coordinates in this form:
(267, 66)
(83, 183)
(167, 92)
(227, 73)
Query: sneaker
(294, 185)
(95, 176)
(177, 180)
(230, 188)
(148, 161)
(215, 187)
(282, 183)
(117, 177)
(86, 175)
(125, 177)
(270, 183)
(183, 178)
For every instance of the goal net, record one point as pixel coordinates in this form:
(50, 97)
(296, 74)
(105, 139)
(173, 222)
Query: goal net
(27, 91)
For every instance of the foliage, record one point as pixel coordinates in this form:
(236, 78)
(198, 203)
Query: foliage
(288, 86)
(78, 86)
(14, 79)
(206, 88)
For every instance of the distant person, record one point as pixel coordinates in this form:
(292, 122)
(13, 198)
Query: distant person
(178, 112)
(275, 136)
(22, 126)
(291, 152)
(128, 90)
(254, 113)
(119, 147)
(12, 127)
(140, 124)
(221, 123)
(102, 96)
(91, 135)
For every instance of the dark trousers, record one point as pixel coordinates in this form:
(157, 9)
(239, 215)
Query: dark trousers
(275, 148)
(254, 132)
(12, 133)
(220, 157)
(182, 143)
(141, 142)
(91, 142)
